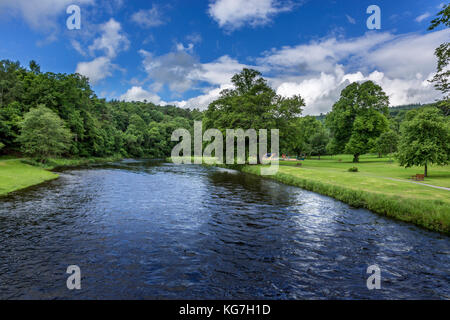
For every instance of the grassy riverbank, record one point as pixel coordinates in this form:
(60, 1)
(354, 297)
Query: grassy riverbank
(17, 174)
(380, 185)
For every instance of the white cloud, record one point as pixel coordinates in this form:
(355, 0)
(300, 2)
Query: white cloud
(110, 43)
(171, 69)
(218, 72)
(318, 71)
(406, 55)
(423, 17)
(323, 55)
(139, 94)
(401, 65)
(203, 100)
(148, 18)
(233, 14)
(97, 69)
(42, 14)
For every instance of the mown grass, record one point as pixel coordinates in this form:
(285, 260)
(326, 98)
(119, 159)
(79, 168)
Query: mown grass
(17, 174)
(372, 187)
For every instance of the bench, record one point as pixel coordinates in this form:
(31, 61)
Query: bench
(418, 177)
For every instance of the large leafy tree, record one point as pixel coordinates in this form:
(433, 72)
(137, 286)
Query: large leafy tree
(300, 137)
(387, 142)
(44, 134)
(358, 118)
(441, 79)
(425, 139)
(252, 104)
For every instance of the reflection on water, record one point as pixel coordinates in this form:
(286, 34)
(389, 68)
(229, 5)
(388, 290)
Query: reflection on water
(145, 229)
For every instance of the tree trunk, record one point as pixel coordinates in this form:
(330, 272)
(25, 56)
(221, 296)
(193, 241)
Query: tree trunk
(356, 158)
(319, 156)
(426, 170)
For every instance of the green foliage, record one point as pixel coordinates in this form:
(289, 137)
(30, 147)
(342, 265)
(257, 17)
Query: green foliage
(442, 76)
(252, 104)
(99, 128)
(44, 134)
(387, 143)
(353, 169)
(443, 17)
(425, 139)
(358, 118)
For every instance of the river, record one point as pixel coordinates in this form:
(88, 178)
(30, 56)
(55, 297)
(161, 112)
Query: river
(154, 230)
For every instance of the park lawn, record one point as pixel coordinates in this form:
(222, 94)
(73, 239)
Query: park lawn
(372, 187)
(372, 166)
(16, 175)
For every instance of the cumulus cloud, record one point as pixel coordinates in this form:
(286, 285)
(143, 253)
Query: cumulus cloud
(322, 55)
(171, 69)
(148, 18)
(318, 71)
(402, 65)
(233, 14)
(110, 42)
(137, 93)
(217, 72)
(202, 100)
(96, 69)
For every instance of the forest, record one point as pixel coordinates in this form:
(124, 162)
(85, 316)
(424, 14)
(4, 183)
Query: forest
(95, 127)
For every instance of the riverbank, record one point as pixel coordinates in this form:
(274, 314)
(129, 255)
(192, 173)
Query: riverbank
(380, 186)
(18, 174)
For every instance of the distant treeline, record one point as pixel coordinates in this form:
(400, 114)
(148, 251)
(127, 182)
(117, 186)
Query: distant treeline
(393, 111)
(98, 128)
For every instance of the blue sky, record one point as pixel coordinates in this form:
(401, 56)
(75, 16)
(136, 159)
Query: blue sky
(185, 52)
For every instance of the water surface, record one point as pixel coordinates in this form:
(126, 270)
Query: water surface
(152, 230)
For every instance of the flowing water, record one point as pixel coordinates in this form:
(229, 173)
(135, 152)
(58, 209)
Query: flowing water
(153, 230)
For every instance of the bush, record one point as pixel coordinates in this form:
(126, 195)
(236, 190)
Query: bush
(353, 169)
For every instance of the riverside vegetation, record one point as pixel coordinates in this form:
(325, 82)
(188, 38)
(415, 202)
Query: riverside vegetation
(56, 119)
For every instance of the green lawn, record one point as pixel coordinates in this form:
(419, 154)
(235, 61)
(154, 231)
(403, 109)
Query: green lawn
(16, 175)
(373, 187)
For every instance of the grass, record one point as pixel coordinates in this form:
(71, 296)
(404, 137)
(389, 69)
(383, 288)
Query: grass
(380, 185)
(17, 174)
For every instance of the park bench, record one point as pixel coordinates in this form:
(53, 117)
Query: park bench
(418, 177)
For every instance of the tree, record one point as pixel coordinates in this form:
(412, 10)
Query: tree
(44, 134)
(387, 143)
(442, 76)
(252, 104)
(319, 143)
(358, 118)
(300, 140)
(425, 139)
